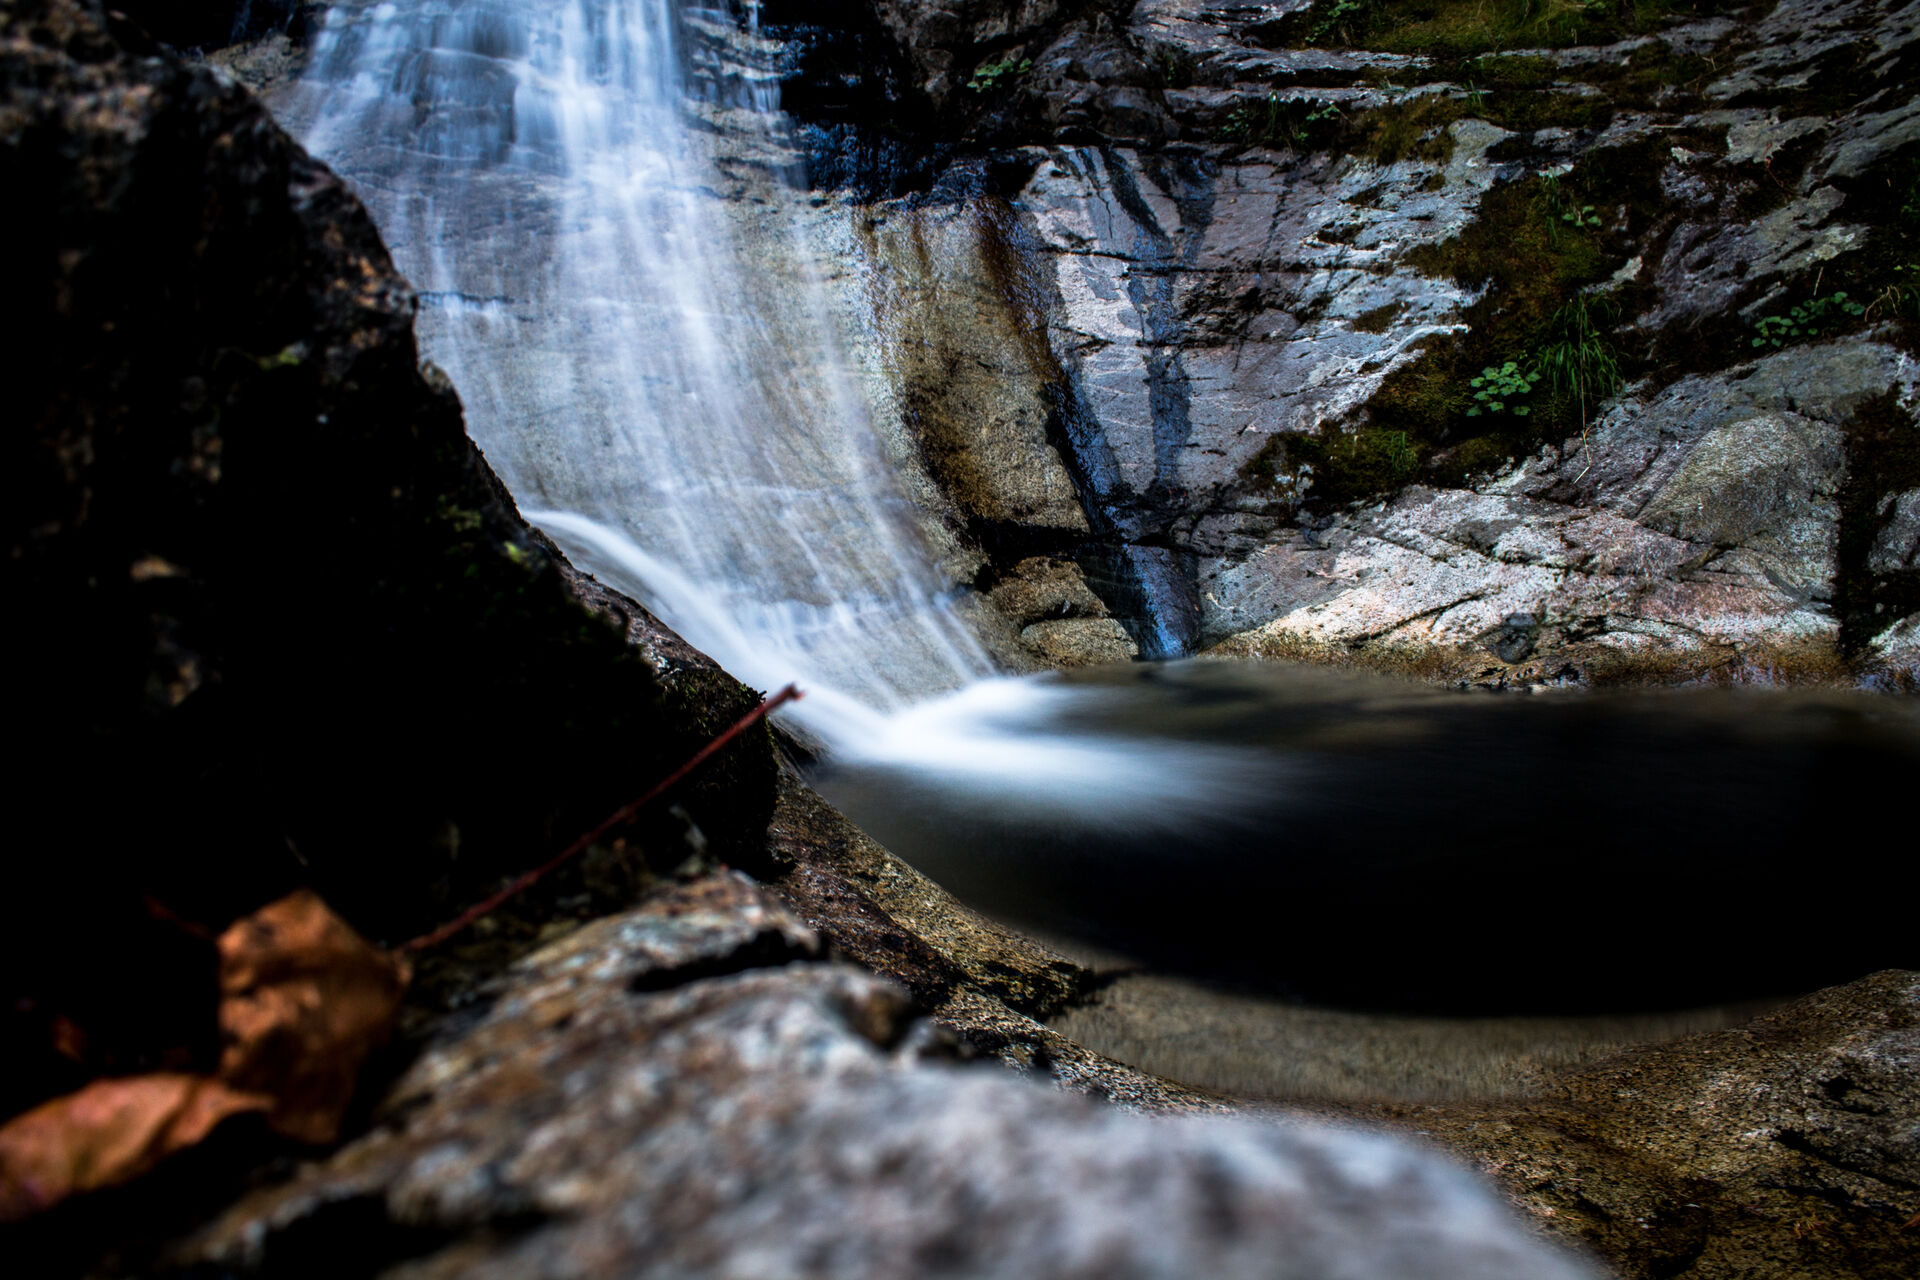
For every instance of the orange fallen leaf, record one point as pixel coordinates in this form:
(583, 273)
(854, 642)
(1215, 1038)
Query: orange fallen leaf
(107, 1133)
(304, 1000)
(69, 1039)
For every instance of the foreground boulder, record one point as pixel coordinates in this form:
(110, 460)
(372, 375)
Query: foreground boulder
(683, 1089)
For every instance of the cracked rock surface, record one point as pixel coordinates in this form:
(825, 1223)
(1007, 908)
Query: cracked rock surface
(1704, 519)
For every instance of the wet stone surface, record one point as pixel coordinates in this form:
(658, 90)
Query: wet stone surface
(624, 1106)
(1786, 1147)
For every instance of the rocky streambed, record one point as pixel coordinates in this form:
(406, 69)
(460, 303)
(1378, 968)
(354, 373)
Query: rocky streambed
(290, 629)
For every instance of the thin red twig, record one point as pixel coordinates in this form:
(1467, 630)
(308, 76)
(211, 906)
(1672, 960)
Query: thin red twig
(619, 816)
(167, 915)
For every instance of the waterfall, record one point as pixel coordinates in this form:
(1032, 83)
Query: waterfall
(607, 222)
(634, 323)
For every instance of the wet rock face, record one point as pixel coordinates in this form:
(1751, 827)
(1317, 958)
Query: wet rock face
(1785, 1147)
(1205, 309)
(282, 623)
(681, 1089)
(975, 384)
(1273, 261)
(1703, 521)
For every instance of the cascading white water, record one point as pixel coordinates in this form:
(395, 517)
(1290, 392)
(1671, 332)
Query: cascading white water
(645, 352)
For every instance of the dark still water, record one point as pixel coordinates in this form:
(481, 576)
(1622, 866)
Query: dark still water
(1361, 842)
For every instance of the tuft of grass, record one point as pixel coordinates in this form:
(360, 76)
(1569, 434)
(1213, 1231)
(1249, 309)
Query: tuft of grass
(1892, 274)
(1462, 29)
(1576, 358)
(1304, 124)
(1900, 298)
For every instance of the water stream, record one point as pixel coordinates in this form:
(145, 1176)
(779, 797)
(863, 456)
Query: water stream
(603, 211)
(601, 208)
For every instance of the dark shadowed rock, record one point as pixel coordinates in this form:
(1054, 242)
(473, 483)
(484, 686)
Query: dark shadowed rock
(282, 624)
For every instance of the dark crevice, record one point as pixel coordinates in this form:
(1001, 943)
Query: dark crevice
(359, 1236)
(1883, 461)
(766, 949)
(1794, 1140)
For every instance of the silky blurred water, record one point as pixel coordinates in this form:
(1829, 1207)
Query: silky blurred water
(644, 356)
(647, 355)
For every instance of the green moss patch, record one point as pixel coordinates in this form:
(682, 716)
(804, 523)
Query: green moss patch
(1379, 319)
(1413, 128)
(1531, 263)
(1458, 29)
(1534, 250)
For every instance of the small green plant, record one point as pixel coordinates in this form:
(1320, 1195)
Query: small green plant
(1274, 120)
(1398, 455)
(1497, 386)
(1577, 359)
(988, 75)
(1335, 17)
(1325, 111)
(1902, 297)
(1244, 119)
(1562, 211)
(1804, 320)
